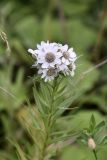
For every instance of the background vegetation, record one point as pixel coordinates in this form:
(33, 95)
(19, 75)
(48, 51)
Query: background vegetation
(79, 23)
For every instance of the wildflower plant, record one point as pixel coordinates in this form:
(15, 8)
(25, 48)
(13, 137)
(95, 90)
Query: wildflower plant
(55, 64)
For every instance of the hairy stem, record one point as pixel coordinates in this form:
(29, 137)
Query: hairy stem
(49, 123)
(95, 154)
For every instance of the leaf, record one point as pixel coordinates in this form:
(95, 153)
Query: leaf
(32, 121)
(46, 91)
(38, 103)
(20, 152)
(99, 126)
(12, 94)
(92, 123)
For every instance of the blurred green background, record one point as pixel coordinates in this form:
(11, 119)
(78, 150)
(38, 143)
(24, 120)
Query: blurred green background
(80, 23)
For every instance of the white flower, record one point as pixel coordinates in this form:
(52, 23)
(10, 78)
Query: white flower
(68, 70)
(53, 59)
(68, 55)
(48, 74)
(48, 55)
(62, 67)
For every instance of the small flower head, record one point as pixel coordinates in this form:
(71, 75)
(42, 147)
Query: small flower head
(48, 55)
(48, 74)
(68, 55)
(53, 59)
(91, 143)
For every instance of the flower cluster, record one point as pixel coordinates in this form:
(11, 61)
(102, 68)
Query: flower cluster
(53, 59)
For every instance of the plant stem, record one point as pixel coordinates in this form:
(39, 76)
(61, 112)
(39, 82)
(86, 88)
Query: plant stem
(44, 148)
(49, 122)
(95, 154)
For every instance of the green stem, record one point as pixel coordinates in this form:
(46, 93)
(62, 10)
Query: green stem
(95, 154)
(44, 148)
(49, 122)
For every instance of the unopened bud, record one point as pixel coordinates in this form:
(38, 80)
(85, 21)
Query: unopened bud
(91, 143)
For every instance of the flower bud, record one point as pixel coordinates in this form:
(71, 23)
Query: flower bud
(91, 143)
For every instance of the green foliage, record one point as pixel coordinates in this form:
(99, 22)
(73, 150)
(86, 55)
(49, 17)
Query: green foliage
(96, 131)
(82, 123)
(12, 95)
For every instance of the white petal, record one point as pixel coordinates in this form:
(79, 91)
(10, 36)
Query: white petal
(37, 51)
(55, 49)
(63, 60)
(45, 65)
(31, 51)
(58, 54)
(38, 46)
(70, 50)
(52, 64)
(43, 43)
(40, 60)
(61, 67)
(72, 55)
(48, 41)
(58, 61)
(67, 62)
(41, 53)
(64, 48)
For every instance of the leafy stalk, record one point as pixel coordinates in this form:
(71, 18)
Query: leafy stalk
(95, 154)
(50, 121)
